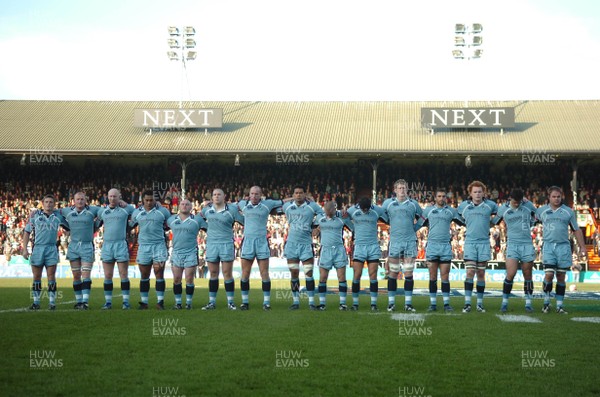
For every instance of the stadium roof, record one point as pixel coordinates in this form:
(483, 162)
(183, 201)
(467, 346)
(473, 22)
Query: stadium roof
(91, 127)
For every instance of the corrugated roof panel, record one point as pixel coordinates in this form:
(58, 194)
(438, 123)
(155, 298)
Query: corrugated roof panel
(107, 127)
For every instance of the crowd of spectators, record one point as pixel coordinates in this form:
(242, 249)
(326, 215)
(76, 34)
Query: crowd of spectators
(21, 188)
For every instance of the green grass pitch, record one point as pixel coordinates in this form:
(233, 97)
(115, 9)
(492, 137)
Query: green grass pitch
(283, 353)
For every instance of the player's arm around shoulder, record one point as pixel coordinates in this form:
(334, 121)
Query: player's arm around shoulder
(381, 213)
(386, 204)
(529, 205)
(348, 223)
(171, 219)
(202, 223)
(500, 214)
(133, 218)
(316, 231)
(239, 216)
(494, 206)
(165, 212)
(316, 207)
(418, 208)
(349, 212)
(275, 203)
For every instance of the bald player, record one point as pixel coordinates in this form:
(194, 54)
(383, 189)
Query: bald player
(255, 244)
(184, 257)
(82, 222)
(557, 257)
(114, 218)
(333, 252)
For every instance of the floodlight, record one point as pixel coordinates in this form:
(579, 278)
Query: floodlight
(180, 49)
(459, 41)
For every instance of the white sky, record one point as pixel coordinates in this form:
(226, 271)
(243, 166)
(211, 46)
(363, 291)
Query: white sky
(300, 50)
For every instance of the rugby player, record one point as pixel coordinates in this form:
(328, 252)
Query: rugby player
(184, 255)
(518, 215)
(477, 214)
(115, 217)
(332, 253)
(438, 252)
(255, 244)
(300, 214)
(82, 222)
(152, 251)
(556, 251)
(44, 225)
(404, 215)
(364, 215)
(220, 218)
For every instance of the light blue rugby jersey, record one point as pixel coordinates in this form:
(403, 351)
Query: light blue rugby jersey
(439, 220)
(332, 229)
(81, 223)
(220, 223)
(256, 216)
(151, 224)
(45, 227)
(518, 221)
(477, 218)
(185, 232)
(300, 219)
(365, 224)
(115, 222)
(402, 216)
(556, 223)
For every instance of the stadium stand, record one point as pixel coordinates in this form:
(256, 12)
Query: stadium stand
(21, 187)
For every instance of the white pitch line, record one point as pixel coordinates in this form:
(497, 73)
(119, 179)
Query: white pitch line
(26, 309)
(512, 318)
(408, 316)
(586, 319)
